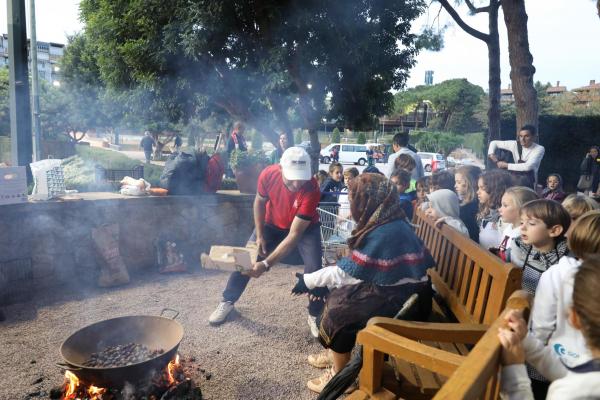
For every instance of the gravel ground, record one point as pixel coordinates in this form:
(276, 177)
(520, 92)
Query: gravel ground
(259, 354)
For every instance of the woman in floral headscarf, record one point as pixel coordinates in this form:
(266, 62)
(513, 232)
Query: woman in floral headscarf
(387, 265)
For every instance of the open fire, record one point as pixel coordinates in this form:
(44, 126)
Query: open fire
(173, 382)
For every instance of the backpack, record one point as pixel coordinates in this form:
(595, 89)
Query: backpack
(184, 173)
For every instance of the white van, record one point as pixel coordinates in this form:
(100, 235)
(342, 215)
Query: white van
(348, 153)
(432, 161)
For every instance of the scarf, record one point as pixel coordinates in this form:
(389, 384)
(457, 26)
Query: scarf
(373, 202)
(547, 259)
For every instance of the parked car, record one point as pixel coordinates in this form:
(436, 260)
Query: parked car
(432, 161)
(348, 153)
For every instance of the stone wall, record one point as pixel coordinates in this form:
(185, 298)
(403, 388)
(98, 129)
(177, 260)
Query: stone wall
(54, 237)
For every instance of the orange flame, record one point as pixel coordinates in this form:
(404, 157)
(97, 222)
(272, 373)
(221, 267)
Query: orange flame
(96, 392)
(171, 369)
(72, 385)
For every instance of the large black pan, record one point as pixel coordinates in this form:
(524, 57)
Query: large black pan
(151, 331)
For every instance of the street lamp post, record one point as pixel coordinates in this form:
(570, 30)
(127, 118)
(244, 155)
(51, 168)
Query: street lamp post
(35, 94)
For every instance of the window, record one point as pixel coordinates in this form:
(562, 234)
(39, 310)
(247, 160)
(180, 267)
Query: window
(439, 157)
(347, 148)
(360, 148)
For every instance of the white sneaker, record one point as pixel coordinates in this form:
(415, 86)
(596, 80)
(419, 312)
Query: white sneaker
(312, 324)
(220, 314)
(323, 359)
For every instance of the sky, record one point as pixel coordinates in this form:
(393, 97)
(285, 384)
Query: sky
(563, 38)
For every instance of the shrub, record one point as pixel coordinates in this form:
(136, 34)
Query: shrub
(243, 159)
(335, 136)
(361, 138)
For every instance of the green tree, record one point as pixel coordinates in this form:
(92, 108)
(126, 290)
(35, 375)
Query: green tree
(335, 136)
(298, 138)
(442, 142)
(361, 138)
(4, 104)
(455, 102)
(257, 61)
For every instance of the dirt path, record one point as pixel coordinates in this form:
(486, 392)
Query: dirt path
(258, 355)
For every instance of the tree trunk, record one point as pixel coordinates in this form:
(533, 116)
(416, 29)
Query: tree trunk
(313, 134)
(494, 82)
(521, 63)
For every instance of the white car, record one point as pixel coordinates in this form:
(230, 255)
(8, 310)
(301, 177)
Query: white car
(432, 161)
(348, 153)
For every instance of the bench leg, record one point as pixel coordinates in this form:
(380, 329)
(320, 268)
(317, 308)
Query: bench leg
(371, 376)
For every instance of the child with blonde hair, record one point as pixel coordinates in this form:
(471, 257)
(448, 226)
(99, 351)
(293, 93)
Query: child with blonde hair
(465, 186)
(578, 204)
(510, 217)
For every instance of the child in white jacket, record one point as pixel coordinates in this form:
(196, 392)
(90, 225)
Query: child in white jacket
(580, 382)
(553, 299)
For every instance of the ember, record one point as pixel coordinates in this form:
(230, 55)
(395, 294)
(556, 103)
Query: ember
(174, 382)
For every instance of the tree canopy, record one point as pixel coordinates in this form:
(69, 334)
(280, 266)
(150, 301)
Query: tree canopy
(454, 102)
(257, 62)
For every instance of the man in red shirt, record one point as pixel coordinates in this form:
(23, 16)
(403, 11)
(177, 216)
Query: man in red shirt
(285, 217)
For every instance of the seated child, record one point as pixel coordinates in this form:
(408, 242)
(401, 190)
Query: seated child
(333, 185)
(444, 207)
(407, 163)
(345, 218)
(441, 180)
(422, 189)
(491, 186)
(542, 242)
(554, 295)
(581, 382)
(510, 213)
(465, 186)
(577, 205)
(553, 189)
(401, 178)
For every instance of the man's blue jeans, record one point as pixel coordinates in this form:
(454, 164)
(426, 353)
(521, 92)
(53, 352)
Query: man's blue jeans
(309, 247)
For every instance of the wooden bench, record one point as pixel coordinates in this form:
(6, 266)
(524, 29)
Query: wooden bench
(473, 287)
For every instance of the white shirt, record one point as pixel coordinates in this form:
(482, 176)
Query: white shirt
(532, 155)
(490, 235)
(549, 321)
(513, 252)
(417, 173)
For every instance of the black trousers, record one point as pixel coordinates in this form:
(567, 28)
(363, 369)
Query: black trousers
(309, 247)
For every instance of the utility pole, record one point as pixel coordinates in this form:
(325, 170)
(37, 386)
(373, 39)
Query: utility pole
(35, 93)
(20, 112)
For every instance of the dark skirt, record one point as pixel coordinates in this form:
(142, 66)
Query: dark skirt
(348, 309)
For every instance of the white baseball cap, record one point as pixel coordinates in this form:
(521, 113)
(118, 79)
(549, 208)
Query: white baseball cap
(295, 164)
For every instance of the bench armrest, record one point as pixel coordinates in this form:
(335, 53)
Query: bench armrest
(432, 331)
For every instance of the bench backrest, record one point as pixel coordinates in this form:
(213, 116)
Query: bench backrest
(474, 283)
(477, 376)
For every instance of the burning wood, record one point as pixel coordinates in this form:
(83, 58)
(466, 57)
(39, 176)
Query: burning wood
(173, 382)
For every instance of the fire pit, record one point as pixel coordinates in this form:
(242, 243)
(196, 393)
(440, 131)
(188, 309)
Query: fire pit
(125, 358)
(173, 382)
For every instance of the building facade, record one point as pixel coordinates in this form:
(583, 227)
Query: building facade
(48, 54)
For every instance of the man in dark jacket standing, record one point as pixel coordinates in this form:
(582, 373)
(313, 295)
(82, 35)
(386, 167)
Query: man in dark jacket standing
(147, 144)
